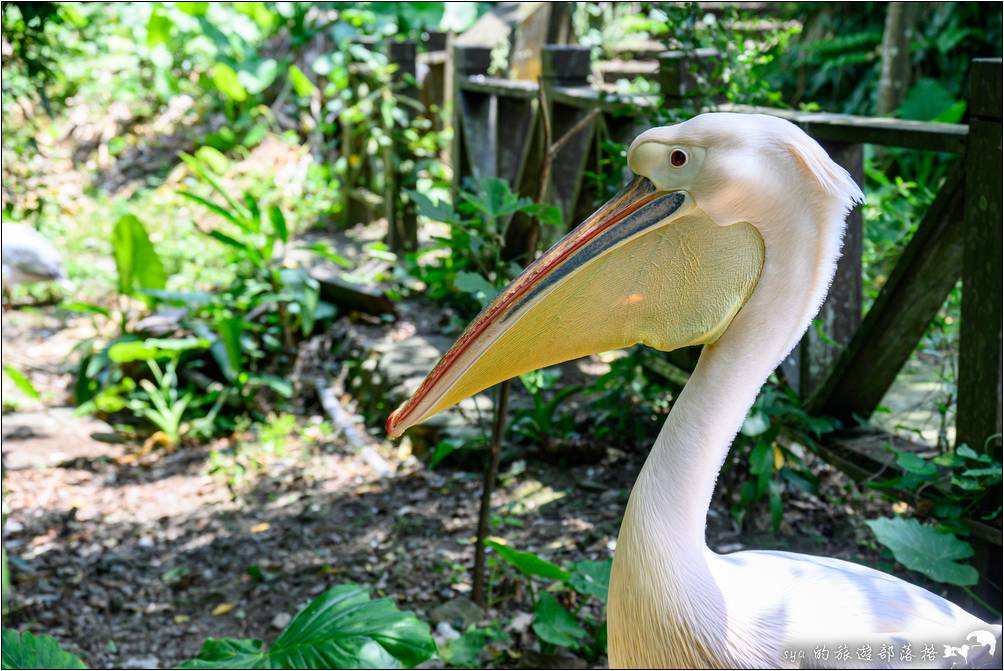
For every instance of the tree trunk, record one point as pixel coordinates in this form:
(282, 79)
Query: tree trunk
(895, 78)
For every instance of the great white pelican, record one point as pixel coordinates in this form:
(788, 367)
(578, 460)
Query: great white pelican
(727, 237)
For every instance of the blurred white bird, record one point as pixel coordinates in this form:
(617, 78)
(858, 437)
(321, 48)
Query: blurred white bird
(28, 257)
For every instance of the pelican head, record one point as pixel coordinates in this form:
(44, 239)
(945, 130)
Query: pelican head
(669, 261)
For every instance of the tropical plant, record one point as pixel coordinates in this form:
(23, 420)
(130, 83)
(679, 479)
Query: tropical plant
(340, 629)
(553, 623)
(949, 488)
(24, 650)
(541, 424)
(474, 270)
(768, 449)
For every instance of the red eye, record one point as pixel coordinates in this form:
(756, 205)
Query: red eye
(678, 158)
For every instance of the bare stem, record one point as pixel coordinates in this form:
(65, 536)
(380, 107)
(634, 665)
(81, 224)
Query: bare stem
(488, 486)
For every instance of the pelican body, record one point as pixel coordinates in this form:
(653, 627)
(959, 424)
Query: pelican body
(727, 237)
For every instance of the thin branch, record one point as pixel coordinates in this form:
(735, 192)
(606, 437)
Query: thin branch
(571, 132)
(487, 487)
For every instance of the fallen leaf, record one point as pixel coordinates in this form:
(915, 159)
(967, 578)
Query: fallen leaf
(223, 608)
(259, 528)
(181, 619)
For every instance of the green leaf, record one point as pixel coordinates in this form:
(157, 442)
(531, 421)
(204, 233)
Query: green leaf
(229, 653)
(213, 207)
(24, 650)
(969, 453)
(278, 223)
(301, 83)
(465, 651)
(323, 250)
(308, 306)
(591, 578)
(239, 214)
(340, 629)
(21, 381)
(230, 330)
(214, 158)
(256, 77)
(153, 348)
(921, 548)
(226, 82)
(528, 563)
(437, 211)
(477, 286)
(554, 624)
(762, 459)
(443, 449)
(279, 385)
(193, 8)
(85, 308)
(158, 28)
(549, 215)
(755, 424)
(910, 462)
(137, 262)
(972, 472)
(926, 100)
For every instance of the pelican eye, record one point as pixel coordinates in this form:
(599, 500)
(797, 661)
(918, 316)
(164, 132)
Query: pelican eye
(678, 158)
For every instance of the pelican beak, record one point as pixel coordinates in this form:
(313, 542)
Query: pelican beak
(648, 267)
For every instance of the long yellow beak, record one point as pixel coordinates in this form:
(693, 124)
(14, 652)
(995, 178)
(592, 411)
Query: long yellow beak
(648, 266)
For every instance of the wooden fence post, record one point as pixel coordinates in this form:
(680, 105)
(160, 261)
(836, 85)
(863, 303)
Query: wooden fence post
(681, 72)
(467, 62)
(840, 315)
(434, 93)
(402, 222)
(979, 402)
(978, 418)
(565, 65)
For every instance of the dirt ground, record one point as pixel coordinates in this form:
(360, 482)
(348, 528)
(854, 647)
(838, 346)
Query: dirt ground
(136, 564)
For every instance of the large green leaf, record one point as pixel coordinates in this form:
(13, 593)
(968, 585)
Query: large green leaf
(24, 650)
(591, 578)
(341, 629)
(922, 548)
(528, 563)
(554, 624)
(137, 262)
